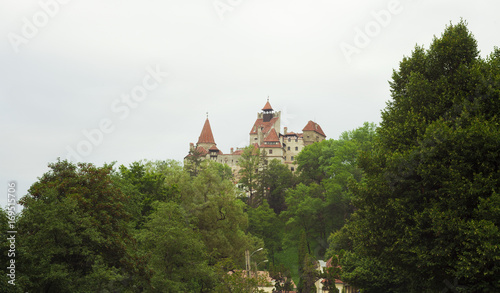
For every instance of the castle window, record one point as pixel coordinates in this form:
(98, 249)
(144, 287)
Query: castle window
(270, 151)
(296, 140)
(293, 169)
(288, 148)
(296, 148)
(291, 158)
(289, 139)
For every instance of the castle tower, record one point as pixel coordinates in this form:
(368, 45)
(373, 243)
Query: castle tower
(266, 120)
(267, 112)
(206, 139)
(312, 133)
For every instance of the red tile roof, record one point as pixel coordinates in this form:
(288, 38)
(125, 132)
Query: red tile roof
(214, 148)
(329, 265)
(266, 126)
(313, 126)
(201, 150)
(267, 107)
(272, 136)
(206, 135)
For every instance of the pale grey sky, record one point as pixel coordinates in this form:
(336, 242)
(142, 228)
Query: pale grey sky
(146, 72)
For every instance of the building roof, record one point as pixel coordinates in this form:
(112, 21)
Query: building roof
(291, 134)
(266, 126)
(272, 136)
(267, 106)
(214, 148)
(329, 265)
(313, 126)
(206, 135)
(201, 150)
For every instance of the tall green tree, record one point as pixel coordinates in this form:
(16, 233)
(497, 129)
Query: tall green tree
(75, 233)
(310, 275)
(212, 203)
(177, 254)
(274, 180)
(251, 163)
(144, 184)
(301, 255)
(265, 224)
(427, 213)
(321, 204)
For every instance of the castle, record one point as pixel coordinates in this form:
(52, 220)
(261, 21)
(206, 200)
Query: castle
(264, 135)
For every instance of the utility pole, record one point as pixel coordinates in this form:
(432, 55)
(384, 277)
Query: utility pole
(247, 262)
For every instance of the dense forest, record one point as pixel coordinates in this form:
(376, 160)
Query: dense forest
(409, 206)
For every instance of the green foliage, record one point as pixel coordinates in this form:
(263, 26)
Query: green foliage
(75, 236)
(288, 258)
(322, 203)
(305, 212)
(282, 277)
(231, 280)
(144, 185)
(309, 275)
(264, 224)
(177, 254)
(274, 180)
(250, 163)
(427, 211)
(302, 253)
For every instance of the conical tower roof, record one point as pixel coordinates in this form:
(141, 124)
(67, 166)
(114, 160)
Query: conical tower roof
(206, 135)
(267, 107)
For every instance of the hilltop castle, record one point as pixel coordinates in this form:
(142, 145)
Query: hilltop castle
(265, 135)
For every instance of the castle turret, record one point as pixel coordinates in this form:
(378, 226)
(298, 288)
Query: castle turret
(313, 133)
(206, 139)
(267, 112)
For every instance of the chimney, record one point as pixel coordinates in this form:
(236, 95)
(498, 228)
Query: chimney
(232, 150)
(286, 130)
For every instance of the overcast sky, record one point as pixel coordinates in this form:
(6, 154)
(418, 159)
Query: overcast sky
(124, 80)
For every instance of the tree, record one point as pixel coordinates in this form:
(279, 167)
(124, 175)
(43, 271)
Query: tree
(193, 161)
(331, 274)
(309, 275)
(144, 184)
(427, 211)
(211, 201)
(275, 179)
(233, 281)
(263, 223)
(322, 207)
(305, 213)
(282, 278)
(307, 268)
(177, 254)
(302, 253)
(75, 233)
(250, 163)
